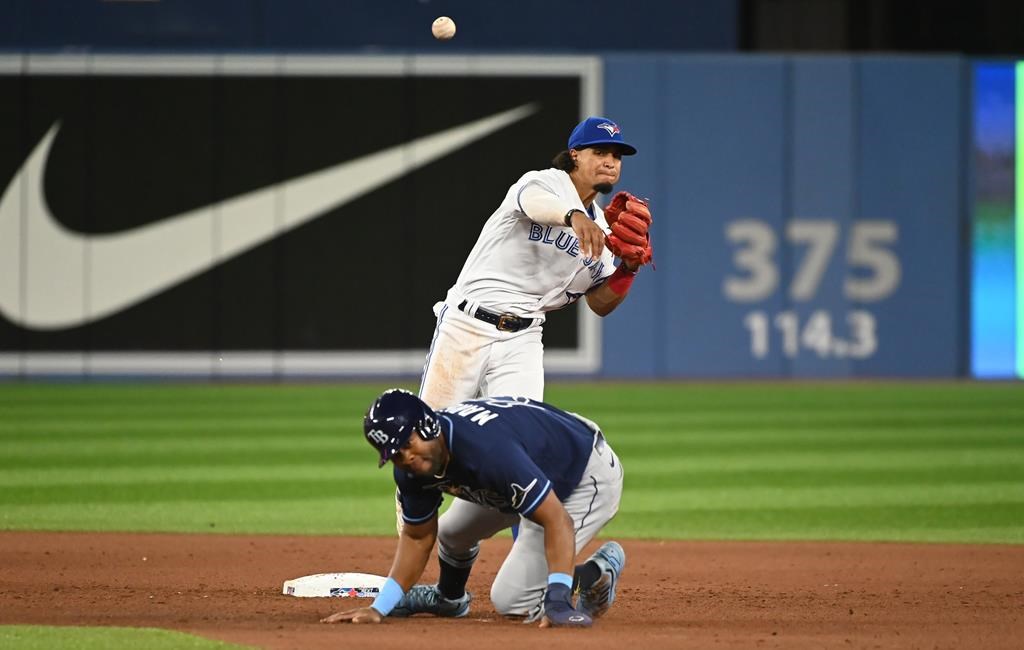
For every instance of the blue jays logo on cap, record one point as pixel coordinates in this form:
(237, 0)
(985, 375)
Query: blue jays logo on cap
(599, 130)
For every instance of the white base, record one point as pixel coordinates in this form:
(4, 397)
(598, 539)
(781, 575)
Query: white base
(335, 585)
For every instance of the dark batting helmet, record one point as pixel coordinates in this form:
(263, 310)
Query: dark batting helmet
(392, 419)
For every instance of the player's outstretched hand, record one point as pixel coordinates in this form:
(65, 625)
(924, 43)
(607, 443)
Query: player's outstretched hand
(558, 609)
(361, 615)
(590, 235)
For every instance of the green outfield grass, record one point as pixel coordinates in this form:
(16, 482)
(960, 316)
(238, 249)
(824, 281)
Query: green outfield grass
(35, 637)
(857, 461)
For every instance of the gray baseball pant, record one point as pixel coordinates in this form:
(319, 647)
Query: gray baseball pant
(519, 587)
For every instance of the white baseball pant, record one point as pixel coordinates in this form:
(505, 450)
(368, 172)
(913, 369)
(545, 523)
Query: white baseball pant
(469, 358)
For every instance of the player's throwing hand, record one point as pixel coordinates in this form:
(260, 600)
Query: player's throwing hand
(590, 234)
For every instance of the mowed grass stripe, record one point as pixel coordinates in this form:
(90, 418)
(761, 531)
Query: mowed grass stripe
(107, 428)
(261, 491)
(770, 398)
(226, 395)
(367, 515)
(37, 637)
(949, 522)
(836, 440)
(882, 495)
(896, 490)
(372, 515)
(642, 433)
(795, 460)
(195, 456)
(765, 396)
(357, 470)
(837, 476)
(843, 438)
(667, 414)
(665, 461)
(211, 443)
(629, 399)
(798, 414)
(669, 459)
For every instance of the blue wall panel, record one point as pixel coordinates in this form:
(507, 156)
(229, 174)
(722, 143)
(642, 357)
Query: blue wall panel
(726, 142)
(821, 186)
(808, 216)
(631, 77)
(911, 171)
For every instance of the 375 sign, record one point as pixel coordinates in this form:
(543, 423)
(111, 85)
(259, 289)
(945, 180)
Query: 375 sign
(872, 273)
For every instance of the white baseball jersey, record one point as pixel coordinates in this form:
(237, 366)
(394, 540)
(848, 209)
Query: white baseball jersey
(525, 268)
(520, 267)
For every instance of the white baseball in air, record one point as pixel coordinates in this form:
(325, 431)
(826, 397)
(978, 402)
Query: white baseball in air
(443, 28)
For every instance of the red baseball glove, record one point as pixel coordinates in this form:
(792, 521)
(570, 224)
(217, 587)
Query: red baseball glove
(630, 220)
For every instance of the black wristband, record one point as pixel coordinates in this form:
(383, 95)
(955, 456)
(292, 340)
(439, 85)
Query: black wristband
(568, 216)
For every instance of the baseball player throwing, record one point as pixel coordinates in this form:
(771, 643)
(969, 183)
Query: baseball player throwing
(505, 459)
(546, 245)
(542, 249)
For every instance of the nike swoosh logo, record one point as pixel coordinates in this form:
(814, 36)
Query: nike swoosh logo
(52, 278)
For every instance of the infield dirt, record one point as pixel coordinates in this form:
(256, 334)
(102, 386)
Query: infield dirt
(672, 594)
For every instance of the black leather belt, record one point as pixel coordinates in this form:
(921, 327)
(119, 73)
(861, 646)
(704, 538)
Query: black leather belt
(504, 322)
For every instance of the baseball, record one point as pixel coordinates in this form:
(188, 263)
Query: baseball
(443, 28)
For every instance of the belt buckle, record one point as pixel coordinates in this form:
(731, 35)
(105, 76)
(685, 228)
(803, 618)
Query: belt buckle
(506, 322)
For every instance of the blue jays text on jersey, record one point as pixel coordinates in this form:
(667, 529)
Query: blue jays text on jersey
(505, 453)
(565, 240)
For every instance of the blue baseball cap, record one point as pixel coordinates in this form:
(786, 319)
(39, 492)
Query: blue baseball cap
(598, 130)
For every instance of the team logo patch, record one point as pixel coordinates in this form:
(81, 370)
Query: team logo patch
(612, 129)
(519, 493)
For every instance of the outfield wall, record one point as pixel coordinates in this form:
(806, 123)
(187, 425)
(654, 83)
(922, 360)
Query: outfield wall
(810, 216)
(809, 210)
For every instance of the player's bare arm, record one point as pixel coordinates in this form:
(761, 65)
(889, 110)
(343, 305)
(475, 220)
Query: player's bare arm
(560, 552)
(603, 300)
(559, 537)
(414, 546)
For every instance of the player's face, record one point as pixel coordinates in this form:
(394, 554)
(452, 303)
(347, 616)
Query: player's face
(599, 167)
(420, 457)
